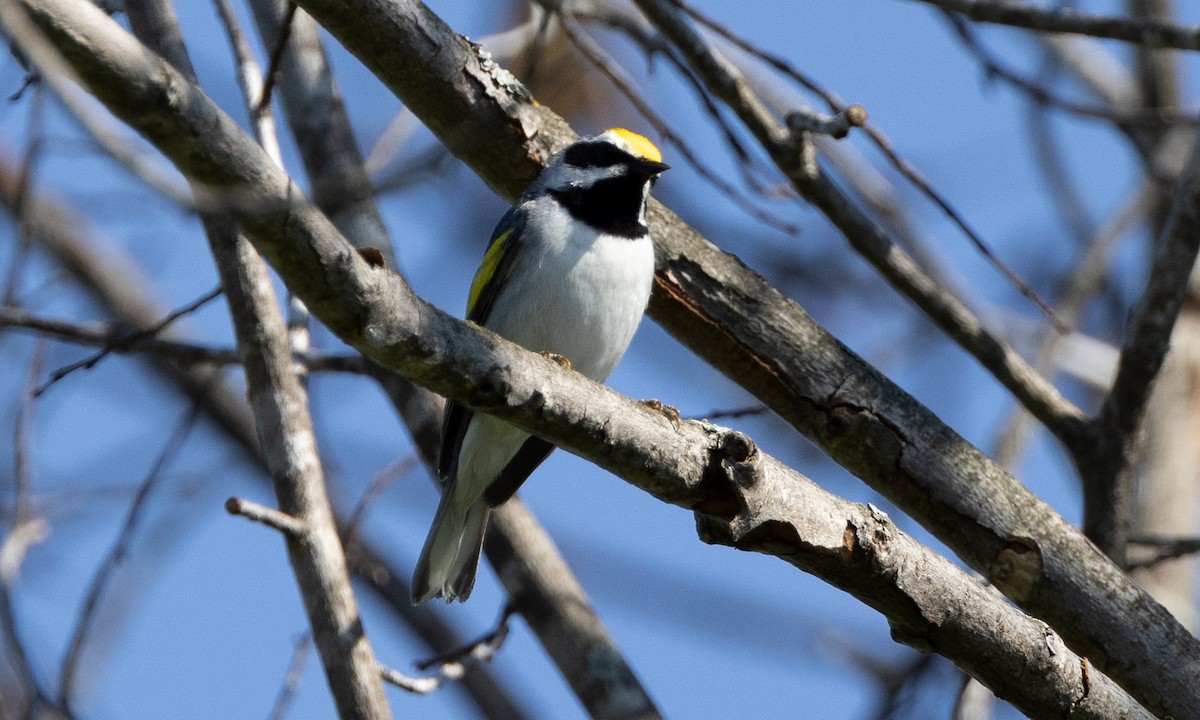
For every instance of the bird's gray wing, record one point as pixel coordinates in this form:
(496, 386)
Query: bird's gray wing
(504, 248)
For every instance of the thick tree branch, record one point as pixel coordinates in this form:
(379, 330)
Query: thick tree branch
(780, 513)
(285, 431)
(1026, 548)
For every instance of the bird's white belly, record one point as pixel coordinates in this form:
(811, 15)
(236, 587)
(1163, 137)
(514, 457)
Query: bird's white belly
(577, 293)
(582, 299)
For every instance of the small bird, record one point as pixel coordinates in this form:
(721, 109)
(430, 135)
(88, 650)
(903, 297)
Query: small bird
(567, 273)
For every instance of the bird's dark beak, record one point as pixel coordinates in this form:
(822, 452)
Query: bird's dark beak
(648, 168)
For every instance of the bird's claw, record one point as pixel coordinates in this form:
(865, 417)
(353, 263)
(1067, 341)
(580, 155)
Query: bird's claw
(555, 357)
(670, 413)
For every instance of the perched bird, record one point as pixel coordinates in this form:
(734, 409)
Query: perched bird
(568, 272)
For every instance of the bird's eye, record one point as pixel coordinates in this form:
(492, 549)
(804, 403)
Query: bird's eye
(594, 154)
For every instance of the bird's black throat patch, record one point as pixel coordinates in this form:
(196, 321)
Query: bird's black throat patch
(611, 205)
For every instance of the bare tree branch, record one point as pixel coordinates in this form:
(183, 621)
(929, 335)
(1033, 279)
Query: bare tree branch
(117, 339)
(26, 530)
(281, 43)
(600, 59)
(127, 339)
(1078, 289)
(291, 680)
(801, 120)
(118, 287)
(451, 665)
(123, 292)
(288, 525)
(787, 150)
(1107, 497)
(280, 405)
(1066, 20)
(1041, 95)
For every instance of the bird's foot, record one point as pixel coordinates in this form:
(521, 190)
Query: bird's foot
(670, 413)
(555, 357)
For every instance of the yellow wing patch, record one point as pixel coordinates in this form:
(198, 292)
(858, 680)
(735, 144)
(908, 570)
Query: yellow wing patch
(638, 144)
(491, 261)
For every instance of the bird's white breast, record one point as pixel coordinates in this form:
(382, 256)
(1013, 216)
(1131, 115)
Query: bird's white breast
(576, 291)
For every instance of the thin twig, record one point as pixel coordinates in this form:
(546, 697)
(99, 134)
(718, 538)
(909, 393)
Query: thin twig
(16, 654)
(654, 45)
(612, 70)
(291, 679)
(1163, 548)
(390, 474)
(349, 535)
(731, 414)
(26, 529)
(272, 73)
(1155, 34)
(1042, 95)
(127, 340)
(414, 685)
(1051, 160)
(918, 181)
(1086, 280)
(482, 649)
(53, 68)
(836, 126)
(22, 492)
(116, 337)
(116, 555)
(255, 94)
(287, 524)
(452, 665)
(33, 152)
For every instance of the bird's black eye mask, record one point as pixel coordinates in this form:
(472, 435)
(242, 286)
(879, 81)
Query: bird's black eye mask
(594, 154)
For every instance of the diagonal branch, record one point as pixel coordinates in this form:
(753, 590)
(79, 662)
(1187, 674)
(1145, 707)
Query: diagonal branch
(125, 340)
(848, 116)
(101, 580)
(1066, 20)
(868, 238)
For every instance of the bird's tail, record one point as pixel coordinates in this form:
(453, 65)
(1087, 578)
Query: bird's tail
(451, 554)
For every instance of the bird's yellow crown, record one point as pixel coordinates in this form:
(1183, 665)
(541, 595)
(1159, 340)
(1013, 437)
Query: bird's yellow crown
(638, 144)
